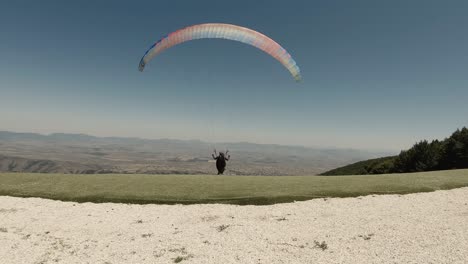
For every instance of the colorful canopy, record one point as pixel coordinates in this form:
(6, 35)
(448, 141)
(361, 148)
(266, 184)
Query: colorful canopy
(223, 31)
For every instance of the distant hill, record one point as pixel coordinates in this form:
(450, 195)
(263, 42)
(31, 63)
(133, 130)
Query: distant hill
(16, 164)
(372, 166)
(79, 153)
(450, 153)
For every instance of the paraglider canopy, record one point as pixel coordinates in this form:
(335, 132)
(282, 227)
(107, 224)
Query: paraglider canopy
(223, 31)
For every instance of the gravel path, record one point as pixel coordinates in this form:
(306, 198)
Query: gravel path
(414, 228)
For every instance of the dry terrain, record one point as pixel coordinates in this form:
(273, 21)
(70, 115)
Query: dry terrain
(70, 153)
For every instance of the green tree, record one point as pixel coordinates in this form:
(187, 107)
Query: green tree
(455, 151)
(423, 156)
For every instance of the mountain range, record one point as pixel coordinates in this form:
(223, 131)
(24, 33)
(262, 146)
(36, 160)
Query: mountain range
(80, 153)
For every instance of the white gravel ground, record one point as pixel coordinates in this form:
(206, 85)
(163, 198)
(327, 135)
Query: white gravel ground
(415, 228)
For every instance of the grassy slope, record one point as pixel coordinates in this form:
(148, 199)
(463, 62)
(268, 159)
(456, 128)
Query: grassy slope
(188, 189)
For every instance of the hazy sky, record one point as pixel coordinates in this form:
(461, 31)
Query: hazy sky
(376, 74)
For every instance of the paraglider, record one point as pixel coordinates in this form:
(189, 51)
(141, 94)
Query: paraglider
(221, 160)
(223, 31)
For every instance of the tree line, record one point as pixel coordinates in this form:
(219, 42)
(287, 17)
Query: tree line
(450, 153)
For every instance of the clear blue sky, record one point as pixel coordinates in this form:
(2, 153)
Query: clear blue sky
(377, 74)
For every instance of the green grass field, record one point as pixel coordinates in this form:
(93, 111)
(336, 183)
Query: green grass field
(191, 189)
